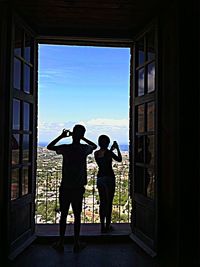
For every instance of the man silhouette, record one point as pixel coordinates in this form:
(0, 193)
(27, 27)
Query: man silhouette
(74, 179)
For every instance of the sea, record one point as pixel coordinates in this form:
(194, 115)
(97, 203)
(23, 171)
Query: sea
(123, 147)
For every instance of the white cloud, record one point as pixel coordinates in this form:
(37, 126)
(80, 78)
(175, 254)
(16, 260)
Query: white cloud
(116, 129)
(50, 73)
(108, 122)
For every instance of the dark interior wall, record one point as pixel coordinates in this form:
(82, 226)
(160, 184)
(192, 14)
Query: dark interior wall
(1, 124)
(179, 134)
(198, 28)
(189, 136)
(168, 160)
(198, 75)
(5, 57)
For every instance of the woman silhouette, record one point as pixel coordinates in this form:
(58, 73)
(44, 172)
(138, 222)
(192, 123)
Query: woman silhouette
(106, 179)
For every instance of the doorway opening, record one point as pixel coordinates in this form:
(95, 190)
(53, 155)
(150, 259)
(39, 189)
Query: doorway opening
(87, 85)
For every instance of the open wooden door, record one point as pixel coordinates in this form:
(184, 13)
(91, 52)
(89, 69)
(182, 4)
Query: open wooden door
(143, 140)
(23, 137)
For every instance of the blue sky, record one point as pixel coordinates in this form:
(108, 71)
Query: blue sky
(88, 85)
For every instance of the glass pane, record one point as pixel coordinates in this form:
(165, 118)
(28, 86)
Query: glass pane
(17, 74)
(151, 77)
(25, 148)
(15, 184)
(16, 114)
(150, 45)
(139, 179)
(140, 149)
(140, 118)
(26, 78)
(150, 183)
(150, 116)
(18, 42)
(27, 48)
(15, 148)
(150, 149)
(25, 181)
(26, 116)
(140, 82)
(141, 55)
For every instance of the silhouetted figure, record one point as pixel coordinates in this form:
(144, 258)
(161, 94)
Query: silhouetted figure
(106, 179)
(74, 179)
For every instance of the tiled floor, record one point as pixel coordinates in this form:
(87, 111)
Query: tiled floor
(115, 249)
(124, 254)
(87, 230)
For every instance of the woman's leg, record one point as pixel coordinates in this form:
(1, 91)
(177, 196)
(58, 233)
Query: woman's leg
(110, 196)
(102, 205)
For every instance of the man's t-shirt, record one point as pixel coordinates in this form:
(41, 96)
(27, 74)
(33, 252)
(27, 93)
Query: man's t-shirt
(74, 168)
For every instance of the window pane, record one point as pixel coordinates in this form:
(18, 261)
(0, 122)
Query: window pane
(16, 114)
(25, 148)
(140, 149)
(139, 179)
(150, 45)
(15, 148)
(151, 77)
(140, 82)
(150, 152)
(26, 78)
(27, 48)
(18, 42)
(25, 181)
(150, 183)
(15, 184)
(17, 74)
(150, 116)
(141, 55)
(26, 116)
(140, 118)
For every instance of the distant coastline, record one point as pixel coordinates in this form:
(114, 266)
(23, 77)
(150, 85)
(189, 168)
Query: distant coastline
(123, 147)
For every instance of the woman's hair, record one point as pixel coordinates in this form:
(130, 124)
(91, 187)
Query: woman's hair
(103, 141)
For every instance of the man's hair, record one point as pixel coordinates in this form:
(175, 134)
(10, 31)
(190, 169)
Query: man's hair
(79, 131)
(104, 141)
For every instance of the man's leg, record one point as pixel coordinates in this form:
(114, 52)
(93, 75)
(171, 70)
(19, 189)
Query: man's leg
(63, 218)
(77, 209)
(64, 201)
(60, 244)
(77, 226)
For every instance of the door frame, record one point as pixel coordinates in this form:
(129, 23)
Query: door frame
(90, 42)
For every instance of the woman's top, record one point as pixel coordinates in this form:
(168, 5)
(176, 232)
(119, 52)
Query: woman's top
(105, 165)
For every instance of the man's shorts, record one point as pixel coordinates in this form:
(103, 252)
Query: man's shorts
(73, 196)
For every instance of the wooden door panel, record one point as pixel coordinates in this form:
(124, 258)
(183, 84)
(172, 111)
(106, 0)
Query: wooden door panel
(143, 119)
(23, 117)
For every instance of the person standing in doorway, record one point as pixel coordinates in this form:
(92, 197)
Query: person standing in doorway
(106, 179)
(74, 179)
